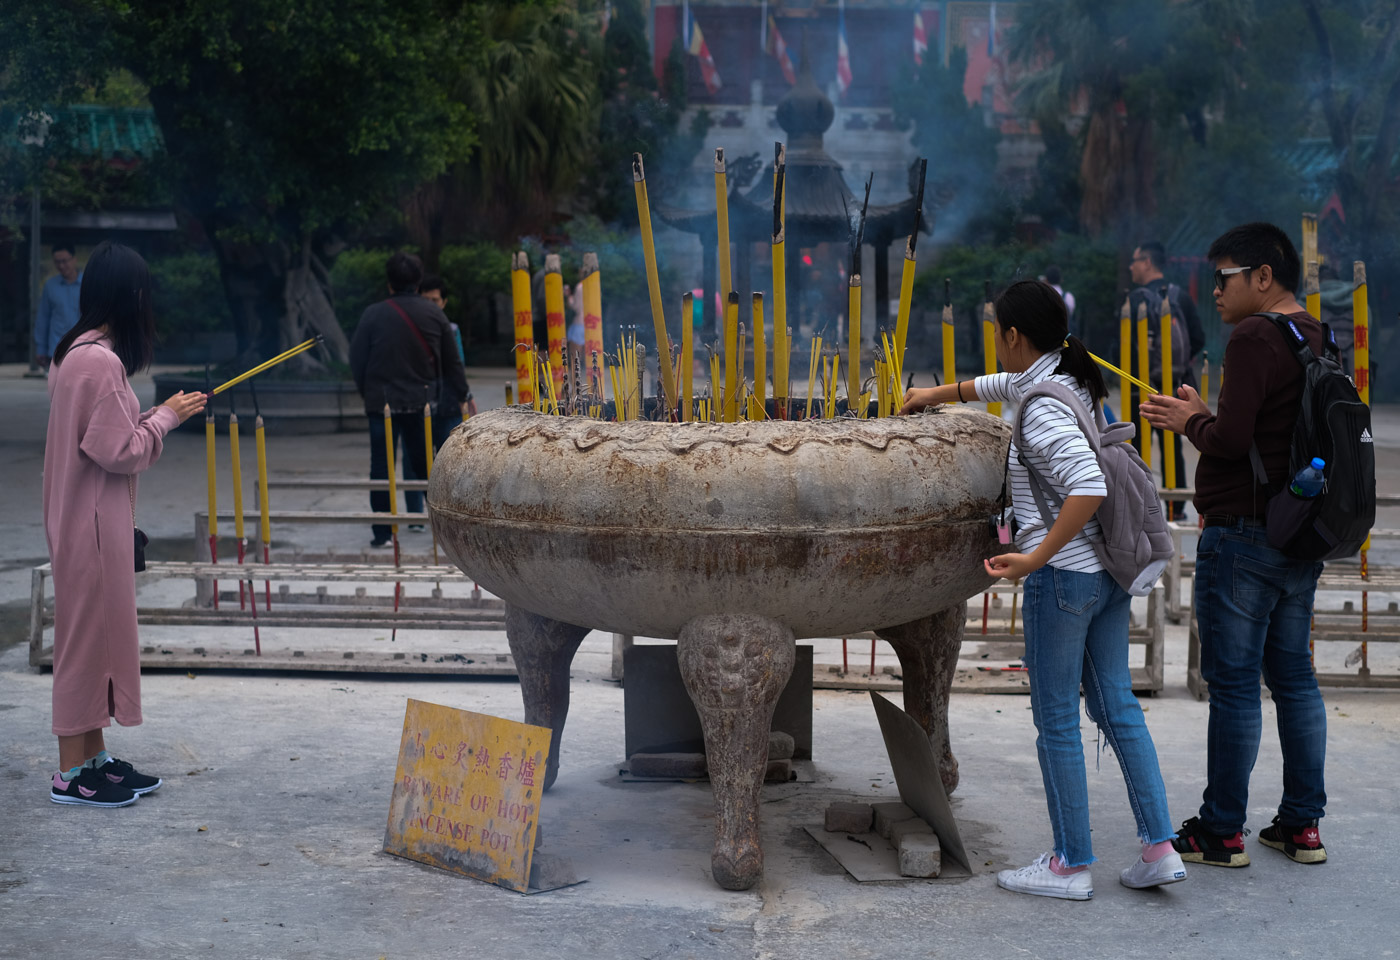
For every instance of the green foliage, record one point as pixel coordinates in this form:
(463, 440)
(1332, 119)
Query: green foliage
(187, 296)
(639, 117)
(358, 280)
(1089, 270)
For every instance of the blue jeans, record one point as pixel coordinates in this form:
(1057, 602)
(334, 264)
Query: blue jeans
(410, 452)
(1077, 633)
(1254, 612)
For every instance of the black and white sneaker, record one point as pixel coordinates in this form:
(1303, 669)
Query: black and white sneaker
(124, 774)
(92, 789)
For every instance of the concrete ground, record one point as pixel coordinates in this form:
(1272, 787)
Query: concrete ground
(266, 840)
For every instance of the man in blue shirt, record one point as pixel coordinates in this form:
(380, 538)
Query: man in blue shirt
(58, 304)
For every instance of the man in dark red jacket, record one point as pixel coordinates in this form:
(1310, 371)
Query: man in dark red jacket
(402, 357)
(1253, 604)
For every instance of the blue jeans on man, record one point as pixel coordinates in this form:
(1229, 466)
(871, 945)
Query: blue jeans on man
(1077, 634)
(1254, 613)
(409, 451)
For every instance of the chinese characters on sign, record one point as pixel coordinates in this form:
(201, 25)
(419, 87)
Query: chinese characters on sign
(465, 795)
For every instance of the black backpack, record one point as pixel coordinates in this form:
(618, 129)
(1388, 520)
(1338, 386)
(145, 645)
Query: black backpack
(1335, 425)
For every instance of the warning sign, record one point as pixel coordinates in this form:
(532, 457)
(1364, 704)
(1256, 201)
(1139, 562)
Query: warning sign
(466, 793)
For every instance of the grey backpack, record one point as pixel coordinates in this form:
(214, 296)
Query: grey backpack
(1136, 542)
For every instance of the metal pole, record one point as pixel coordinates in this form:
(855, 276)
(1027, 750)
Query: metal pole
(34, 291)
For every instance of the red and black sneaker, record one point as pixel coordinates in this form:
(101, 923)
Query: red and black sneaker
(1196, 844)
(1299, 842)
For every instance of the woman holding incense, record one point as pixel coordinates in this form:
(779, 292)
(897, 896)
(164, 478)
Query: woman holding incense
(1076, 614)
(98, 441)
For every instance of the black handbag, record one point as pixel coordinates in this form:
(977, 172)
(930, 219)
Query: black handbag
(138, 538)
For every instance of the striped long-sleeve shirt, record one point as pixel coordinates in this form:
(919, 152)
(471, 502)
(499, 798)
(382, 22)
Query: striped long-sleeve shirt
(1059, 451)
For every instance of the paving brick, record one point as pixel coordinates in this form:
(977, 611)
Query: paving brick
(847, 816)
(920, 855)
(780, 745)
(888, 813)
(907, 828)
(683, 766)
(548, 871)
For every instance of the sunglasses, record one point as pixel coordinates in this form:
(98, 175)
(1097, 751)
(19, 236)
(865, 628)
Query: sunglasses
(1222, 275)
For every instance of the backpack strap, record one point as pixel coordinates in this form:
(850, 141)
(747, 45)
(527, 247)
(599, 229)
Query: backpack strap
(1041, 488)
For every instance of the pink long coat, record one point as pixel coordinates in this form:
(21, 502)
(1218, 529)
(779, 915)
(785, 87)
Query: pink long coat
(97, 437)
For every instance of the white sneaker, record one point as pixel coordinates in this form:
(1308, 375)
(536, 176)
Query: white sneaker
(1141, 875)
(1040, 881)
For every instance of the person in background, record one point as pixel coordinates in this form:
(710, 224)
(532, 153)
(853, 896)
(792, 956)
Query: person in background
(1076, 624)
(58, 304)
(1052, 277)
(1188, 340)
(402, 357)
(452, 409)
(1254, 605)
(98, 441)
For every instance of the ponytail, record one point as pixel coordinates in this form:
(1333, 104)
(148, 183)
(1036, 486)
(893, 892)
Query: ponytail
(1037, 310)
(1075, 361)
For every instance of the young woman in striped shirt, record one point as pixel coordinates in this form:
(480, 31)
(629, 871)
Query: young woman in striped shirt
(1076, 615)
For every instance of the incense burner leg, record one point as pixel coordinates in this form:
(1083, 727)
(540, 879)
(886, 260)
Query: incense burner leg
(543, 650)
(928, 657)
(734, 667)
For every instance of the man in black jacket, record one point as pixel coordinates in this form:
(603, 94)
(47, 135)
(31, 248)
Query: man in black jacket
(401, 357)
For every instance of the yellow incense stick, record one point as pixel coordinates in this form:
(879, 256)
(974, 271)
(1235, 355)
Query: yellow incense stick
(236, 467)
(760, 352)
(1125, 357)
(266, 529)
(989, 350)
(722, 219)
(812, 372)
(555, 326)
(658, 316)
(731, 349)
(1168, 438)
(593, 323)
(389, 458)
(524, 326)
(687, 355)
(285, 355)
(781, 338)
(1144, 371)
(853, 340)
(209, 460)
(1123, 374)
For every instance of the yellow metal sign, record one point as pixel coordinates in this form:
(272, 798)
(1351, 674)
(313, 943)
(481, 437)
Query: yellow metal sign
(466, 793)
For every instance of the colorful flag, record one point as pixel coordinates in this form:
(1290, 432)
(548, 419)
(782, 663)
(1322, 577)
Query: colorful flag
(843, 52)
(920, 39)
(695, 45)
(778, 49)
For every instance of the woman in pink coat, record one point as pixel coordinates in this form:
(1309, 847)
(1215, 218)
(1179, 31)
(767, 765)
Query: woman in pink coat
(98, 440)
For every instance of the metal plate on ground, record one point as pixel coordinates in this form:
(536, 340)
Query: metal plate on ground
(920, 785)
(869, 858)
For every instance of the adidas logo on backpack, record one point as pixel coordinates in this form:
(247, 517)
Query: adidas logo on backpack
(1136, 540)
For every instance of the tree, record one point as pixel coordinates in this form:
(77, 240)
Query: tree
(934, 103)
(532, 84)
(285, 124)
(1137, 75)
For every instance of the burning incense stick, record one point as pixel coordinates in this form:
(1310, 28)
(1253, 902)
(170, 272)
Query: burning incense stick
(726, 284)
(950, 356)
(266, 364)
(555, 327)
(524, 325)
(906, 280)
(781, 350)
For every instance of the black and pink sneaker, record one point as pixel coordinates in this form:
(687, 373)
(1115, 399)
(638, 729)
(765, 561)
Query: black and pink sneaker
(124, 774)
(91, 789)
(1300, 842)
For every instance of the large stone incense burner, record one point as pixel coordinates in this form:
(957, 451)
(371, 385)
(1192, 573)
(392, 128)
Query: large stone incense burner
(736, 540)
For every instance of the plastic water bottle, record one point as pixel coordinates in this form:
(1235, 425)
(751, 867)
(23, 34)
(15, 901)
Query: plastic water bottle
(1308, 483)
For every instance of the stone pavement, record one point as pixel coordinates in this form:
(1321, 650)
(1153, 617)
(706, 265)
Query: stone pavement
(265, 840)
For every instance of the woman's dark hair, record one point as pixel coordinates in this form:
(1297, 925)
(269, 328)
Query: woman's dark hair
(116, 294)
(1034, 308)
(405, 272)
